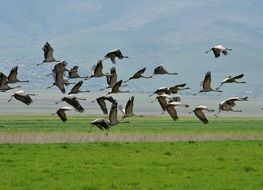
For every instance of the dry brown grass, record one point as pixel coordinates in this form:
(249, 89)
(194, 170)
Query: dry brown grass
(45, 138)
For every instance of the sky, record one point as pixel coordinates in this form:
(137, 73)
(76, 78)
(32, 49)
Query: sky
(175, 33)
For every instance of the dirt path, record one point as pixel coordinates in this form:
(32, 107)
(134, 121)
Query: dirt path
(45, 138)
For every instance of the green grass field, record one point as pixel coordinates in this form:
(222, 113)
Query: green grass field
(177, 165)
(48, 129)
(143, 154)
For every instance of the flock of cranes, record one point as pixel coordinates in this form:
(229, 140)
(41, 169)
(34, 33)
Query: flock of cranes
(164, 95)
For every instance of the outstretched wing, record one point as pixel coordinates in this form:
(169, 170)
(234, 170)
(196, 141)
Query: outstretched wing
(139, 73)
(116, 87)
(12, 77)
(118, 54)
(238, 76)
(172, 112)
(77, 106)
(113, 114)
(102, 105)
(162, 101)
(160, 70)
(98, 68)
(200, 115)
(48, 52)
(129, 106)
(216, 52)
(76, 88)
(207, 81)
(62, 115)
(3, 79)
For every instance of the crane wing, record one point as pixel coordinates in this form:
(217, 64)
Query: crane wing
(160, 70)
(129, 106)
(238, 76)
(162, 101)
(48, 52)
(102, 105)
(201, 116)
(118, 54)
(62, 115)
(207, 81)
(77, 106)
(3, 79)
(216, 52)
(116, 87)
(98, 68)
(113, 114)
(12, 77)
(76, 88)
(172, 112)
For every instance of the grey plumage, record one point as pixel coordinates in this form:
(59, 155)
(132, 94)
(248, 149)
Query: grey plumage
(231, 79)
(138, 74)
(22, 97)
(76, 88)
(198, 111)
(206, 84)
(101, 101)
(219, 49)
(228, 104)
(73, 101)
(113, 54)
(61, 113)
(116, 88)
(128, 111)
(12, 77)
(160, 70)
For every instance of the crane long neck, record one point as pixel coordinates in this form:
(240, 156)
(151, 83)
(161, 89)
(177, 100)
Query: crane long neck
(15, 87)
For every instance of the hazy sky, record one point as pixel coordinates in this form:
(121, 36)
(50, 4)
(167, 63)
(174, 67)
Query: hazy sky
(170, 32)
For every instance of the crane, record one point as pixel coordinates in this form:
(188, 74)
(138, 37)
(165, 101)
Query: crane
(61, 113)
(206, 84)
(228, 104)
(113, 54)
(12, 77)
(138, 74)
(231, 79)
(76, 88)
(22, 97)
(217, 49)
(73, 101)
(128, 111)
(198, 111)
(116, 88)
(101, 101)
(160, 70)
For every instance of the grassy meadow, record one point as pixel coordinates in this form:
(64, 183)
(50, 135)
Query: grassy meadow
(19, 129)
(41, 152)
(173, 165)
(146, 125)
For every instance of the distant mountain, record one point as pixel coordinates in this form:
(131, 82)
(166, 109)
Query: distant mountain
(173, 33)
